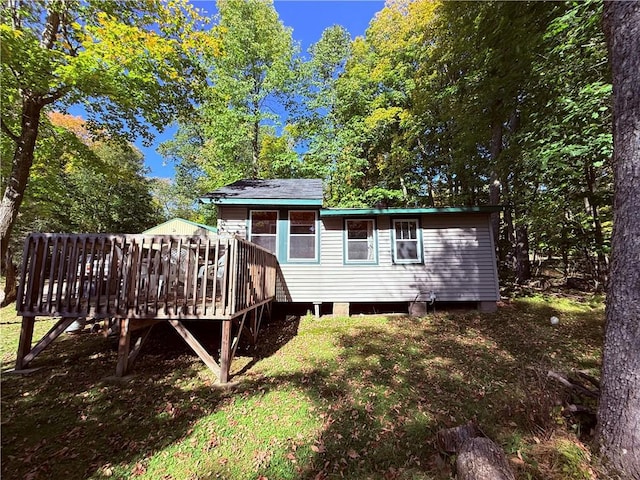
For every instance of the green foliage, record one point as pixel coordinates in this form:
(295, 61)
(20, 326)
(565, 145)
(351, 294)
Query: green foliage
(439, 101)
(377, 163)
(135, 58)
(129, 64)
(316, 125)
(232, 133)
(79, 185)
(572, 145)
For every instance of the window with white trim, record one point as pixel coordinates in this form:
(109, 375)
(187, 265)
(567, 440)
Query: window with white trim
(263, 228)
(302, 235)
(406, 241)
(360, 241)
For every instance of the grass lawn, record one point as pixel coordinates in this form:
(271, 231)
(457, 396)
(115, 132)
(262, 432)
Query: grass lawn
(359, 398)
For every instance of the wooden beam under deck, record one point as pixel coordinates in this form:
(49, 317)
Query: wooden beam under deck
(26, 354)
(127, 355)
(197, 347)
(225, 352)
(139, 344)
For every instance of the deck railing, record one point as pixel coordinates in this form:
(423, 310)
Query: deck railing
(143, 276)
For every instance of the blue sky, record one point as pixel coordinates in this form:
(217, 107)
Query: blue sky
(308, 19)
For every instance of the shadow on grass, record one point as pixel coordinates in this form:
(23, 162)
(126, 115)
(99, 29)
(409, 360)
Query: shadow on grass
(395, 383)
(72, 419)
(380, 390)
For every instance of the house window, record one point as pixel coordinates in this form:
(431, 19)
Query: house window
(360, 241)
(263, 228)
(406, 244)
(302, 235)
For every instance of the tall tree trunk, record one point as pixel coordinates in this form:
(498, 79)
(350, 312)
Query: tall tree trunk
(592, 208)
(523, 264)
(255, 149)
(507, 241)
(618, 430)
(32, 105)
(10, 275)
(21, 166)
(494, 182)
(602, 263)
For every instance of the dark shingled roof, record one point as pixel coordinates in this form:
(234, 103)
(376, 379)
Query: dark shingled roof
(281, 189)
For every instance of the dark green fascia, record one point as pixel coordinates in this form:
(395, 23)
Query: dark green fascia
(264, 202)
(345, 212)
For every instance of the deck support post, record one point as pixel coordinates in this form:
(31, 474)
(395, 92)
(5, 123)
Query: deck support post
(257, 321)
(225, 351)
(124, 344)
(256, 318)
(26, 337)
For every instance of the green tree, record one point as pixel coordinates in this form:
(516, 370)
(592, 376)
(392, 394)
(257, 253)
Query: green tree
(128, 63)
(83, 185)
(116, 196)
(376, 163)
(187, 151)
(570, 146)
(249, 80)
(315, 123)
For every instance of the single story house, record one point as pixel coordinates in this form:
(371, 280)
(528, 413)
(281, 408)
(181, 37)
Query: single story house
(180, 226)
(344, 256)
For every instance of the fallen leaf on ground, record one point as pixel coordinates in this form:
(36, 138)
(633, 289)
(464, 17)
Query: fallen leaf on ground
(352, 453)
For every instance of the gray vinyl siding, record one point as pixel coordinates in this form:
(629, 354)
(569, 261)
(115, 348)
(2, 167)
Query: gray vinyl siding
(232, 221)
(458, 262)
(458, 265)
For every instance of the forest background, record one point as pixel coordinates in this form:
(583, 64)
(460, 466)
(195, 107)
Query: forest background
(437, 104)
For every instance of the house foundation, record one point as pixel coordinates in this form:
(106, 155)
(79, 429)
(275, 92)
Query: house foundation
(487, 306)
(341, 309)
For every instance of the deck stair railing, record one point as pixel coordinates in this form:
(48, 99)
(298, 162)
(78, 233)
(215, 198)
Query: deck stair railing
(143, 276)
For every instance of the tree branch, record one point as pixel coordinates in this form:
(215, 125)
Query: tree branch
(10, 134)
(15, 17)
(51, 27)
(53, 96)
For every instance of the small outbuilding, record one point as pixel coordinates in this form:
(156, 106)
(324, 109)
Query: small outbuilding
(180, 226)
(345, 256)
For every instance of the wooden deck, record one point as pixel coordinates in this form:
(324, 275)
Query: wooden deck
(138, 280)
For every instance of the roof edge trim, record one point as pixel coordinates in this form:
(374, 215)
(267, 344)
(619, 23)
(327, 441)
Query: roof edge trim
(264, 201)
(342, 212)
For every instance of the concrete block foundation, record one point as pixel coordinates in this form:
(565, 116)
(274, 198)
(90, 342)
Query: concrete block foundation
(341, 309)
